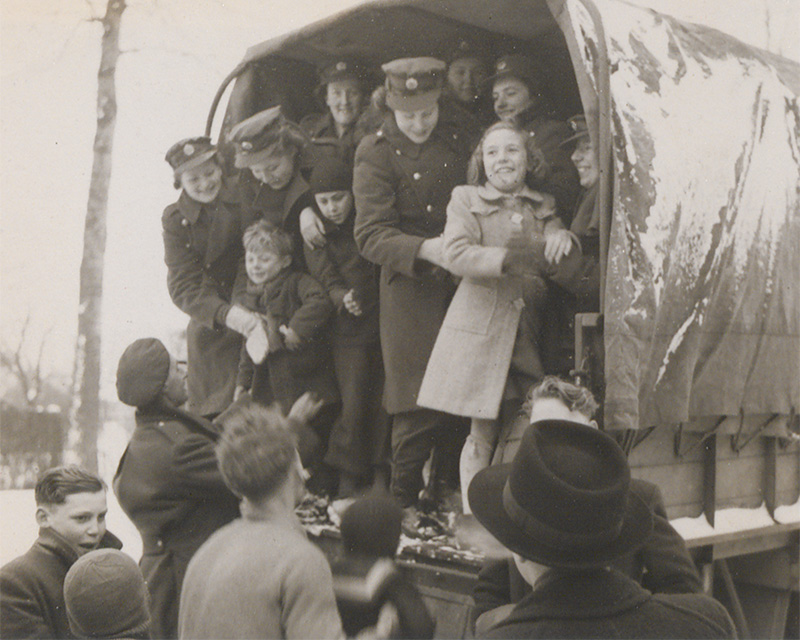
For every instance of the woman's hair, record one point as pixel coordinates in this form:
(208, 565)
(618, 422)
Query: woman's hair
(262, 236)
(537, 165)
(256, 450)
(57, 483)
(290, 139)
(575, 397)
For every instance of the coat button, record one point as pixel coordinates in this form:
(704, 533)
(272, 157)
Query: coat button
(184, 221)
(188, 245)
(397, 151)
(429, 208)
(417, 176)
(208, 266)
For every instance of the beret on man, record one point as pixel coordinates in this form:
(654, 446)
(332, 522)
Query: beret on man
(330, 174)
(371, 526)
(142, 372)
(106, 596)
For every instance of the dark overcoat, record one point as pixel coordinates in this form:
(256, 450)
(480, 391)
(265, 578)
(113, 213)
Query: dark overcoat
(325, 141)
(662, 563)
(203, 249)
(32, 587)
(561, 180)
(297, 301)
(604, 603)
(401, 192)
(169, 485)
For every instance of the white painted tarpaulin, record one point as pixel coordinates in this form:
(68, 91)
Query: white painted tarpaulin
(702, 305)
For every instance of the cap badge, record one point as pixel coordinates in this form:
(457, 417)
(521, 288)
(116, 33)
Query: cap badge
(341, 66)
(247, 146)
(188, 149)
(501, 65)
(411, 83)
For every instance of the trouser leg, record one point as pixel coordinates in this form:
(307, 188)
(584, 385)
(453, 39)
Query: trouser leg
(414, 434)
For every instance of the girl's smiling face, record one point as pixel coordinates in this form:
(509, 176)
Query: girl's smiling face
(203, 182)
(417, 125)
(585, 162)
(335, 205)
(505, 160)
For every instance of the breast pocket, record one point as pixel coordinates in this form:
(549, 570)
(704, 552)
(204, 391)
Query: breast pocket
(472, 308)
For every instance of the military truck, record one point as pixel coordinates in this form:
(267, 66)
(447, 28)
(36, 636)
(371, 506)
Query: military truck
(696, 349)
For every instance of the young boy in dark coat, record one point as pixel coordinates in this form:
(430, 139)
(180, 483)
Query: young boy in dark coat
(367, 579)
(71, 512)
(296, 310)
(359, 439)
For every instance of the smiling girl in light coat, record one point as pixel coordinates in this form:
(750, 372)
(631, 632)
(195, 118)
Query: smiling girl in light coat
(498, 236)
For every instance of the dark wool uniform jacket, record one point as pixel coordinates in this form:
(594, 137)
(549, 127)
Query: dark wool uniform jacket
(662, 564)
(203, 250)
(401, 192)
(32, 587)
(169, 485)
(603, 603)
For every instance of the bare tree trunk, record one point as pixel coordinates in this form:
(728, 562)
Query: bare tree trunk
(84, 418)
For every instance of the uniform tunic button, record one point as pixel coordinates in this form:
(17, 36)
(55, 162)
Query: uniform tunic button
(429, 208)
(184, 222)
(188, 245)
(397, 151)
(417, 176)
(208, 266)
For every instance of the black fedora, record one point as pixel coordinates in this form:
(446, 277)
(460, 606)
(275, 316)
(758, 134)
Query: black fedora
(564, 501)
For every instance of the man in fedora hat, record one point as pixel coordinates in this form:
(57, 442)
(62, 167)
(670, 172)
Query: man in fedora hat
(564, 509)
(662, 564)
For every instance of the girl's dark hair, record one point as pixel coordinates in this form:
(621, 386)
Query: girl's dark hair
(537, 165)
(57, 483)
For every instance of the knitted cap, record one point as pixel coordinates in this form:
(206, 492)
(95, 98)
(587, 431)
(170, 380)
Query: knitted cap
(142, 372)
(106, 596)
(330, 174)
(371, 526)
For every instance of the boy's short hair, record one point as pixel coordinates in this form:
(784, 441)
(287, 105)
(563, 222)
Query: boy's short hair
(256, 450)
(57, 483)
(476, 172)
(262, 236)
(574, 396)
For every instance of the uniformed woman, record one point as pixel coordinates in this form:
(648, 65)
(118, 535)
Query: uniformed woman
(403, 177)
(202, 249)
(519, 96)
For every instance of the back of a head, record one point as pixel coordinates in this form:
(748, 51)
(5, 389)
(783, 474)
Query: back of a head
(57, 483)
(256, 450)
(371, 526)
(106, 596)
(575, 397)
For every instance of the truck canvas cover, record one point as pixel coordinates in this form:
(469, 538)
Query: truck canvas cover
(700, 221)
(702, 304)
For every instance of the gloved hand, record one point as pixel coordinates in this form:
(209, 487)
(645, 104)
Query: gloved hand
(525, 256)
(257, 344)
(241, 320)
(290, 338)
(351, 303)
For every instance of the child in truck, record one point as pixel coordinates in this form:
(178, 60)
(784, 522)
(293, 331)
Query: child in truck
(499, 236)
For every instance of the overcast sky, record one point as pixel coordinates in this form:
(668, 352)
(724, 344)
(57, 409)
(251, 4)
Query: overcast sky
(177, 53)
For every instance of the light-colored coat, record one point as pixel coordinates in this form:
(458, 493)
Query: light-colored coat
(469, 364)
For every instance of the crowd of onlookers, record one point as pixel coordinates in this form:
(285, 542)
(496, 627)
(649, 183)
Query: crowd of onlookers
(386, 285)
